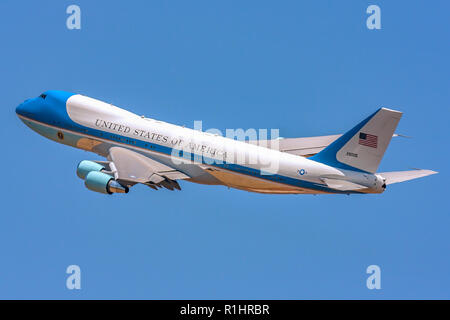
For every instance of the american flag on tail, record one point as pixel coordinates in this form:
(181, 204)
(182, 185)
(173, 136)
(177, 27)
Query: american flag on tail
(368, 140)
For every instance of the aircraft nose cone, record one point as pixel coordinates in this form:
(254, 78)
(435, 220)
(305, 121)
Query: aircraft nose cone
(29, 108)
(20, 110)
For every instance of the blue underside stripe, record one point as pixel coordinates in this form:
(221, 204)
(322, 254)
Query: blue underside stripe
(153, 147)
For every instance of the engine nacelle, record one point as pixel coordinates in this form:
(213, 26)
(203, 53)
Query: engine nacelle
(86, 166)
(101, 182)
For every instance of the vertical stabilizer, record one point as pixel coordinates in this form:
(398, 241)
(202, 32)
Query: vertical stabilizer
(363, 147)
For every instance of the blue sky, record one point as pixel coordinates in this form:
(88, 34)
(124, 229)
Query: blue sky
(305, 67)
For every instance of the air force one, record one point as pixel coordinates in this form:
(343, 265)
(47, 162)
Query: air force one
(158, 154)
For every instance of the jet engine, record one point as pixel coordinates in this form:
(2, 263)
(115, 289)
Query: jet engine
(97, 180)
(86, 166)
(103, 183)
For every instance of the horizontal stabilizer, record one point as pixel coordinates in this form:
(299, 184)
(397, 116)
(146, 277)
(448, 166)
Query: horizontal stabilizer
(342, 185)
(400, 176)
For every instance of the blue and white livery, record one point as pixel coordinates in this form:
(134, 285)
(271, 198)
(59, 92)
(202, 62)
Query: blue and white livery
(158, 154)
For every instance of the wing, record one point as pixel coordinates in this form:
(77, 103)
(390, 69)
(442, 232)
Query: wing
(130, 168)
(305, 147)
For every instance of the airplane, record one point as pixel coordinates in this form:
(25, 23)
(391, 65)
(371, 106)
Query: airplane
(140, 150)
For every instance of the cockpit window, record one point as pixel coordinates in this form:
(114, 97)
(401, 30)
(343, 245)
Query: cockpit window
(43, 96)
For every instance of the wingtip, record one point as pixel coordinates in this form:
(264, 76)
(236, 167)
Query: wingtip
(401, 135)
(430, 172)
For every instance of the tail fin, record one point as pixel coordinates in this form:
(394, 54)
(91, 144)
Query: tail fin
(363, 147)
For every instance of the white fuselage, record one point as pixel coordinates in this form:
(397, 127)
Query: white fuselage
(95, 126)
